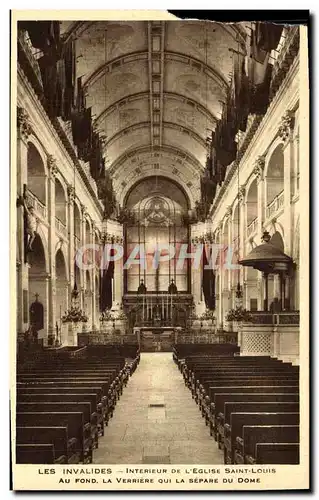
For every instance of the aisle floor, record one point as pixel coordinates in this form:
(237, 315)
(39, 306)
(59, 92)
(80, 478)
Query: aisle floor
(157, 421)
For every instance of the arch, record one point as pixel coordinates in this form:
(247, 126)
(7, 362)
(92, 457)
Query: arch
(273, 146)
(40, 149)
(224, 224)
(158, 206)
(252, 201)
(159, 177)
(274, 175)
(39, 257)
(235, 219)
(61, 268)
(180, 153)
(145, 95)
(61, 297)
(37, 280)
(36, 171)
(87, 231)
(44, 243)
(168, 125)
(99, 73)
(60, 201)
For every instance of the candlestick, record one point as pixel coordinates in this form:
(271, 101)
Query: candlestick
(151, 308)
(162, 307)
(171, 306)
(143, 308)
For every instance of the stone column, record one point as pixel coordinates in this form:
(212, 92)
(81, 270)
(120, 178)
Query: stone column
(228, 302)
(286, 134)
(24, 130)
(118, 278)
(83, 242)
(53, 170)
(261, 211)
(71, 197)
(242, 229)
(94, 257)
(219, 306)
(196, 280)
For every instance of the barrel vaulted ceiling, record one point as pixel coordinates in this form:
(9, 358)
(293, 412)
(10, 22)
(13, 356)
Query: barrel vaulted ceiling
(156, 90)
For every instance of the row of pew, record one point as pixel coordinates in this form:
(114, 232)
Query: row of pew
(64, 404)
(250, 403)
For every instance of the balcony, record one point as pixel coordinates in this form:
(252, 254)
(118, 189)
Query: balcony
(252, 227)
(61, 228)
(276, 205)
(39, 208)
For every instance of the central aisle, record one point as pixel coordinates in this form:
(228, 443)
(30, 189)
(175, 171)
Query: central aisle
(172, 431)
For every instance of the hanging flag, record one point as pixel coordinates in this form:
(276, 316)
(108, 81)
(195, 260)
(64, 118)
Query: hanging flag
(264, 38)
(241, 91)
(49, 76)
(268, 36)
(44, 35)
(68, 59)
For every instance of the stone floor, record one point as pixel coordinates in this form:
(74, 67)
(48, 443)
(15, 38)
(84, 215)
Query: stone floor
(157, 421)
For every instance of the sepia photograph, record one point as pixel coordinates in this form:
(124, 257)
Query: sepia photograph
(159, 213)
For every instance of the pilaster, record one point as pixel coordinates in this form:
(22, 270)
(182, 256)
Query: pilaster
(24, 131)
(285, 132)
(53, 170)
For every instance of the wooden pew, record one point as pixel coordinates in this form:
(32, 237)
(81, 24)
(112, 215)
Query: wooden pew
(72, 420)
(245, 381)
(234, 389)
(89, 432)
(253, 434)
(277, 453)
(40, 453)
(227, 435)
(96, 410)
(241, 419)
(45, 389)
(221, 399)
(108, 392)
(57, 436)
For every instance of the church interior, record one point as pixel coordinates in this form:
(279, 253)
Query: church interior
(158, 236)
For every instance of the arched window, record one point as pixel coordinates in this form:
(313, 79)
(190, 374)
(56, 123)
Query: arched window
(252, 209)
(275, 182)
(158, 206)
(36, 181)
(60, 202)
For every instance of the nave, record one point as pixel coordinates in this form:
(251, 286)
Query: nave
(157, 421)
(112, 405)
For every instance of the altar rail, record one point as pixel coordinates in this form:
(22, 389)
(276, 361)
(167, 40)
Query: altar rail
(104, 338)
(281, 318)
(222, 338)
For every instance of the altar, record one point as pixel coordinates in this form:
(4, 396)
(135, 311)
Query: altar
(156, 338)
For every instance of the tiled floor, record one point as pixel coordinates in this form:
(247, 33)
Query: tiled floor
(142, 434)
